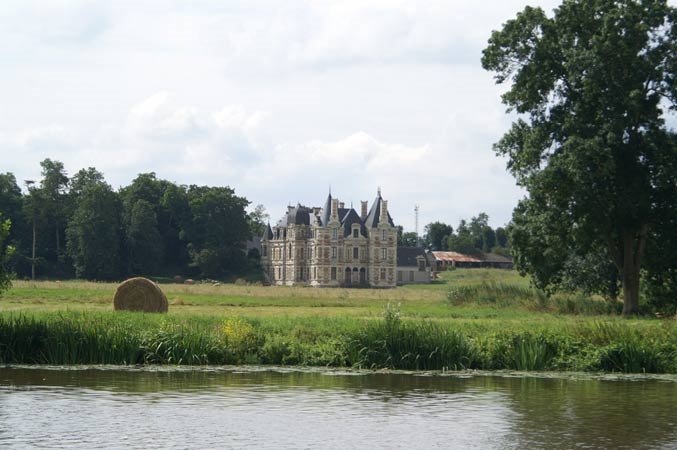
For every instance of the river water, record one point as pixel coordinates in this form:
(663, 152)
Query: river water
(280, 408)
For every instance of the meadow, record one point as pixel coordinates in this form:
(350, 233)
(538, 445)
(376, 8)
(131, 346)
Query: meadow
(470, 319)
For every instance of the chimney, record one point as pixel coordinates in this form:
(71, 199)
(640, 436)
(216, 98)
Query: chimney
(334, 208)
(384, 210)
(363, 213)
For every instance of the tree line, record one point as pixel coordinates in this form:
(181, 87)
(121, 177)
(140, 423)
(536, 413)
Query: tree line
(79, 226)
(470, 237)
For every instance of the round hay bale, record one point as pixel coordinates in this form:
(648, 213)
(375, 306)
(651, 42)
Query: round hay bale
(140, 294)
(178, 279)
(189, 281)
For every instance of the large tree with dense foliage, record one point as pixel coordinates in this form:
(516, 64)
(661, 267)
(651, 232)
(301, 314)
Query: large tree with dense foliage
(436, 235)
(94, 233)
(591, 86)
(217, 230)
(144, 242)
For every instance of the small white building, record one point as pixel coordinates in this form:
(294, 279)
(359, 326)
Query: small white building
(413, 266)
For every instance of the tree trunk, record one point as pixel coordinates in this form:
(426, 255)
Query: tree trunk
(33, 254)
(58, 241)
(633, 250)
(630, 289)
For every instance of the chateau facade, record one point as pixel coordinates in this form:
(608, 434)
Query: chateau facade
(332, 246)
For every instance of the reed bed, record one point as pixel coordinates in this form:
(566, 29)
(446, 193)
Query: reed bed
(389, 342)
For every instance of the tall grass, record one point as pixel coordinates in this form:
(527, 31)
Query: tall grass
(388, 342)
(504, 295)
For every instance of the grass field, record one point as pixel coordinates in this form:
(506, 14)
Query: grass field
(474, 318)
(415, 301)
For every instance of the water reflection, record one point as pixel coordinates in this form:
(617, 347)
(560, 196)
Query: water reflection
(89, 408)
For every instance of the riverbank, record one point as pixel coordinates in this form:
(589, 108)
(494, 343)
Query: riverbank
(610, 345)
(474, 319)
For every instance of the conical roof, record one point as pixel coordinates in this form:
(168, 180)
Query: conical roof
(374, 216)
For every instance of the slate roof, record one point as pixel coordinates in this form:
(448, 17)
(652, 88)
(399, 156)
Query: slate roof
(298, 215)
(374, 216)
(302, 215)
(326, 211)
(350, 217)
(267, 234)
(406, 256)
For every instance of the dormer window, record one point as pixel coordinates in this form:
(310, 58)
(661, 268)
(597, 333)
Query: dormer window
(384, 234)
(356, 232)
(334, 233)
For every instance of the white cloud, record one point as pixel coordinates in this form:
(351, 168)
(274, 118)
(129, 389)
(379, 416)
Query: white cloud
(159, 117)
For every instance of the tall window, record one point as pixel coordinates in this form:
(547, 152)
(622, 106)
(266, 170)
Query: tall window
(356, 232)
(384, 235)
(356, 253)
(383, 274)
(333, 252)
(333, 273)
(334, 233)
(384, 254)
(265, 250)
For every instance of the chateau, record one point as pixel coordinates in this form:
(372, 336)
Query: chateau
(332, 246)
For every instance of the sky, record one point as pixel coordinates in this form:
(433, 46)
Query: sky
(278, 100)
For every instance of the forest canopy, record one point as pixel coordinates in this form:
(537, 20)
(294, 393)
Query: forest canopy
(79, 226)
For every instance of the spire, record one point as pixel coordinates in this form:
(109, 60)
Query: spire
(326, 210)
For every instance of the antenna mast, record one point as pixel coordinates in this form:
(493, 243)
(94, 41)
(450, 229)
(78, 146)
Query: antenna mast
(418, 241)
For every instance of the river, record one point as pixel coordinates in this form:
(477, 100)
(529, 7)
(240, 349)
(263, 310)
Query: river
(277, 408)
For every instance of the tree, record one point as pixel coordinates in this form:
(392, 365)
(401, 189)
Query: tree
(176, 214)
(11, 207)
(591, 86)
(82, 179)
(53, 186)
(217, 230)
(409, 239)
(143, 240)
(462, 241)
(6, 251)
(257, 220)
(93, 233)
(436, 235)
(484, 237)
(34, 211)
(501, 237)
